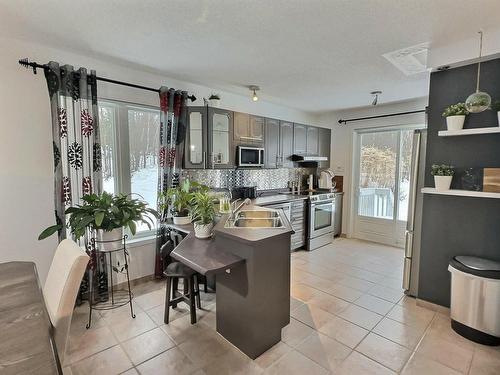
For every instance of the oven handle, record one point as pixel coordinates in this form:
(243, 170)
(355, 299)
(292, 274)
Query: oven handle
(323, 203)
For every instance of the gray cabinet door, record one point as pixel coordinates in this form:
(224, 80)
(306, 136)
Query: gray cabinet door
(272, 143)
(312, 139)
(256, 129)
(299, 139)
(286, 144)
(325, 146)
(220, 139)
(195, 150)
(241, 126)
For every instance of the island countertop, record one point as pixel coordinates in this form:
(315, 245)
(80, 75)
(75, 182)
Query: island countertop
(203, 256)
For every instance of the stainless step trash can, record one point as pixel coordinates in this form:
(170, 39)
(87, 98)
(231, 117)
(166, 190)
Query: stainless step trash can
(475, 299)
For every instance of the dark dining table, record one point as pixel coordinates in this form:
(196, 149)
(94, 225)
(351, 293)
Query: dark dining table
(26, 334)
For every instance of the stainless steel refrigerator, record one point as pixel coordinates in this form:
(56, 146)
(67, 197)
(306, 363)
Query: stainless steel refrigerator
(414, 223)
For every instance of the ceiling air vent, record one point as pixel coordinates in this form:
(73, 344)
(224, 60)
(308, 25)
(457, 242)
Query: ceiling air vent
(410, 60)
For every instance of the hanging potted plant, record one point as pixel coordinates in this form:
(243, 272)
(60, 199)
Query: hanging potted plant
(496, 107)
(202, 213)
(214, 100)
(178, 199)
(443, 174)
(455, 116)
(107, 214)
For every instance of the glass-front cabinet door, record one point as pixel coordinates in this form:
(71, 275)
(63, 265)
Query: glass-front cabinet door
(220, 138)
(196, 154)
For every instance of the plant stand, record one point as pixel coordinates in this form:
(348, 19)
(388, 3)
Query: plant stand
(117, 297)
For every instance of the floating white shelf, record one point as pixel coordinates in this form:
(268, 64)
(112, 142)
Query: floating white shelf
(461, 193)
(452, 133)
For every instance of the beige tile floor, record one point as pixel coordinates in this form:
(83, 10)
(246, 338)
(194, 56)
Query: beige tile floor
(348, 316)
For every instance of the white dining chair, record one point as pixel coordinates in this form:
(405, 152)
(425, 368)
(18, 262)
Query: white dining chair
(61, 287)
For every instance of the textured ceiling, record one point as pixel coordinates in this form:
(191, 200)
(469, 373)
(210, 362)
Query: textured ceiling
(311, 55)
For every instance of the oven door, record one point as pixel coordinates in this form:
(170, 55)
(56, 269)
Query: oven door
(250, 156)
(321, 218)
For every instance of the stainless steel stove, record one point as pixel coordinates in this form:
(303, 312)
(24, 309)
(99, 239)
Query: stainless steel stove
(321, 219)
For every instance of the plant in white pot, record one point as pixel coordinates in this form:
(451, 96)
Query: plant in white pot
(178, 199)
(443, 174)
(496, 107)
(202, 213)
(455, 116)
(107, 214)
(214, 100)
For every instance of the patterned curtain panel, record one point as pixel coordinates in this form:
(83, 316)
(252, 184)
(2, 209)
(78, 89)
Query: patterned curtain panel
(173, 112)
(77, 151)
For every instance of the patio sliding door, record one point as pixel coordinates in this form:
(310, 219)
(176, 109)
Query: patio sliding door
(382, 180)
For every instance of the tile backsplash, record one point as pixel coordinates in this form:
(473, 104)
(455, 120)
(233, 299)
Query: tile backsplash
(264, 179)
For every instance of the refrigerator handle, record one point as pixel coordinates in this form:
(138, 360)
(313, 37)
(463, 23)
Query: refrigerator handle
(408, 244)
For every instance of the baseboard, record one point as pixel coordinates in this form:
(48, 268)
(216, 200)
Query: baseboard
(433, 306)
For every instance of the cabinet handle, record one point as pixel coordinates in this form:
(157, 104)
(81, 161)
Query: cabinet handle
(204, 160)
(251, 138)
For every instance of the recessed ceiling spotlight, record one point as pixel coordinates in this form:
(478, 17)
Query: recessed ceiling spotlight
(375, 96)
(254, 89)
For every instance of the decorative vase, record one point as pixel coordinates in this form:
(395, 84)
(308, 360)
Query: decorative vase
(214, 103)
(455, 122)
(182, 220)
(203, 230)
(114, 239)
(442, 183)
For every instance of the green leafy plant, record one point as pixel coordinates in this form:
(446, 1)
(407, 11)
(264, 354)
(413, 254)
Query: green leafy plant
(458, 109)
(496, 106)
(178, 198)
(442, 170)
(107, 212)
(202, 207)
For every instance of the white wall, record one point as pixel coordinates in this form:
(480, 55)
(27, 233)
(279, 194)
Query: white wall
(26, 174)
(342, 139)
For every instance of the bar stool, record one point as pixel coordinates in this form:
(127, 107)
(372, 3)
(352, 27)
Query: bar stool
(191, 290)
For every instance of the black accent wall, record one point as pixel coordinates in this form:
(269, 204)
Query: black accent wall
(458, 225)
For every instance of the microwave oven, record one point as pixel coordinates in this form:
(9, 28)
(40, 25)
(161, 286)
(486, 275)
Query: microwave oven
(250, 156)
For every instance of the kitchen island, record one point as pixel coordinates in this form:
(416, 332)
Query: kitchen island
(253, 279)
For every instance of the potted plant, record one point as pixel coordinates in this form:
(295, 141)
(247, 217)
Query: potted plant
(107, 214)
(178, 199)
(455, 116)
(214, 100)
(496, 107)
(202, 213)
(443, 175)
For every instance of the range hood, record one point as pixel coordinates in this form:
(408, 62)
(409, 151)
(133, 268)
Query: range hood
(308, 158)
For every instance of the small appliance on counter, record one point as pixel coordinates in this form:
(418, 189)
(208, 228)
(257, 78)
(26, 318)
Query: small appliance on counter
(244, 192)
(326, 180)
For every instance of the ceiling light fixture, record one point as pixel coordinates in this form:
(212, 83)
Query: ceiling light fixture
(375, 96)
(254, 89)
(479, 101)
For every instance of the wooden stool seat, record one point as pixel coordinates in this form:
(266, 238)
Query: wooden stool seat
(178, 269)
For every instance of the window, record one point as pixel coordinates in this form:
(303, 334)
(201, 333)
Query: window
(129, 137)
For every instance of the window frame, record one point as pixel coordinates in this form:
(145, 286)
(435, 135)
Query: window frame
(121, 159)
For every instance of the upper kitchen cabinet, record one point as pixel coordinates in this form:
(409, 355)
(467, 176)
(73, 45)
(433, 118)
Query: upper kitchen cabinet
(272, 143)
(312, 140)
(286, 144)
(220, 138)
(299, 139)
(324, 146)
(248, 129)
(195, 155)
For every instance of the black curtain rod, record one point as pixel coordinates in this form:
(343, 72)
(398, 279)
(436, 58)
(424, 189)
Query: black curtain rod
(380, 116)
(27, 64)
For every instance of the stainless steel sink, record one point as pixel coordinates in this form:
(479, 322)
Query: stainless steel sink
(257, 214)
(257, 223)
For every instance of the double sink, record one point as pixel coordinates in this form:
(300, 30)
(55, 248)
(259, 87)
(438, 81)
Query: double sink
(255, 219)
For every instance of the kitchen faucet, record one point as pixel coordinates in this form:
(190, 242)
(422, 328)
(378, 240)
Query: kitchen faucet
(235, 210)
